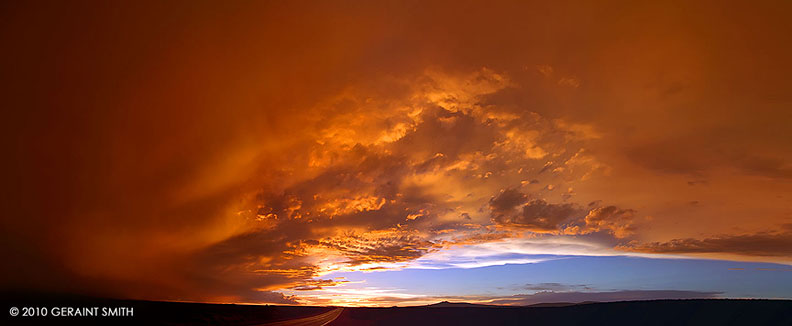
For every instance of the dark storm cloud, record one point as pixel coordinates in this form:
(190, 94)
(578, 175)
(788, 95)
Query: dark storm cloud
(505, 202)
(771, 244)
(554, 287)
(569, 218)
(541, 216)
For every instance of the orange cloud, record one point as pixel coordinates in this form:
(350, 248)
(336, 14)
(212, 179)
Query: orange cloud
(229, 151)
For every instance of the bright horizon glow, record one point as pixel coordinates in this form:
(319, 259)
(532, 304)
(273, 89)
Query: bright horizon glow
(552, 275)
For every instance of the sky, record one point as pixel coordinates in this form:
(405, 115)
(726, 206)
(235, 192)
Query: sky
(397, 152)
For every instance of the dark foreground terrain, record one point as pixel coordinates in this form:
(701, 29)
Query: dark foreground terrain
(148, 312)
(658, 312)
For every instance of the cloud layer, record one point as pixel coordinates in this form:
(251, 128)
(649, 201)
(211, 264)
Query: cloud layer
(228, 152)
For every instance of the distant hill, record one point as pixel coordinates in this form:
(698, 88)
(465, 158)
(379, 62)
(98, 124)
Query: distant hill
(446, 304)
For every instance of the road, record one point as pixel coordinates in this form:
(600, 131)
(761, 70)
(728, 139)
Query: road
(318, 320)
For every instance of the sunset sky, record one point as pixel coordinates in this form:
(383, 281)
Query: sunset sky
(387, 153)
